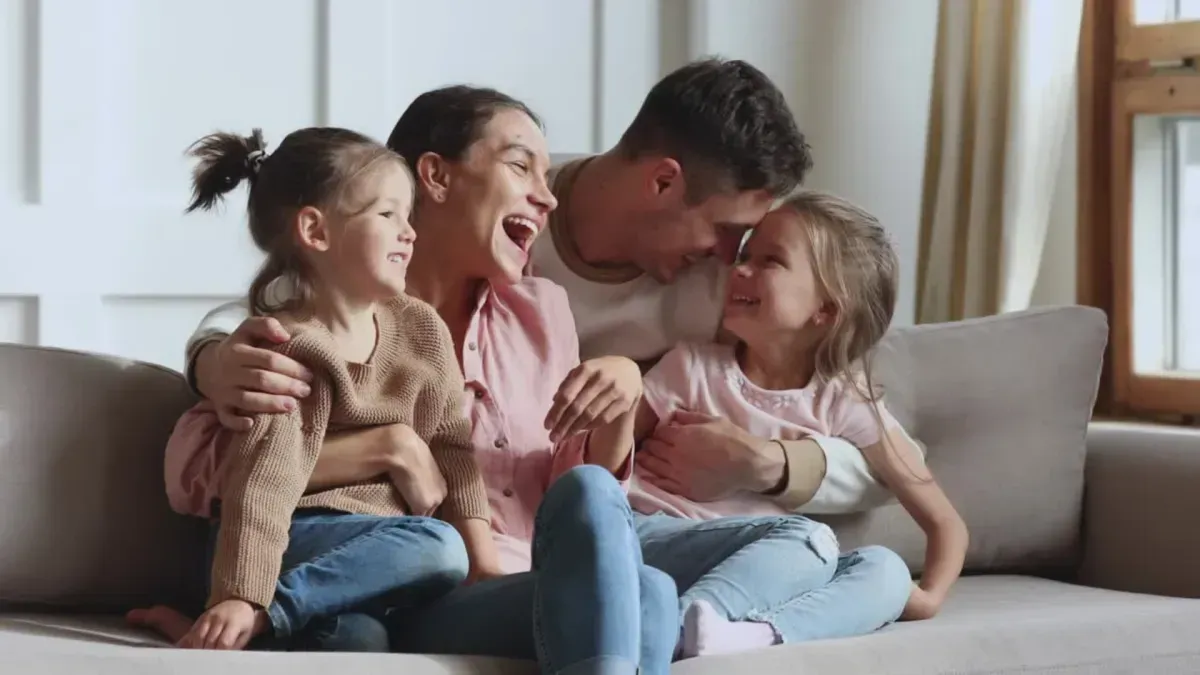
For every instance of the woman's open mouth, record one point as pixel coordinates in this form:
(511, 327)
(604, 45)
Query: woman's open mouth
(521, 231)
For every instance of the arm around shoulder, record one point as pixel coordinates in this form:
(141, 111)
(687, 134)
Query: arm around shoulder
(218, 324)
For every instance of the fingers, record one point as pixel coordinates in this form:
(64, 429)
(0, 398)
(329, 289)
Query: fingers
(256, 403)
(652, 463)
(262, 328)
(581, 411)
(567, 392)
(604, 408)
(197, 637)
(249, 357)
(689, 417)
(232, 420)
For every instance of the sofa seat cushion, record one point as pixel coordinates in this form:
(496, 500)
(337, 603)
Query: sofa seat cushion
(1002, 624)
(33, 644)
(992, 625)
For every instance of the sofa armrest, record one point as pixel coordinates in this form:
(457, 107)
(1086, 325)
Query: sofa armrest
(1141, 503)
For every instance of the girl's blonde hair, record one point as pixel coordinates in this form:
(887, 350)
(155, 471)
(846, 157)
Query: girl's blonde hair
(317, 166)
(856, 269)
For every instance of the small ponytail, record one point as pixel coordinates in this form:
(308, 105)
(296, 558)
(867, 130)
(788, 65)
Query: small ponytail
(225, 160)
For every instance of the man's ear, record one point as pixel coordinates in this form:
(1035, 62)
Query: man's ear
(312, 229)
(433, 176)
(666, 177)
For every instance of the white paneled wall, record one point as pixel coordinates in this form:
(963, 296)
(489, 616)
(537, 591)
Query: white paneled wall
(98, 100)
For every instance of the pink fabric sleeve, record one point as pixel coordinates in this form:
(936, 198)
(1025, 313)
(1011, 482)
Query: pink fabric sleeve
(193, 461)
(564, 340)
(667, 386)
(857, 423)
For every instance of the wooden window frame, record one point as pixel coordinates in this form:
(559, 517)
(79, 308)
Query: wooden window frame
(1124, 71)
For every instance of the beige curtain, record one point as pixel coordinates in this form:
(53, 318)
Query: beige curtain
(1002, 97)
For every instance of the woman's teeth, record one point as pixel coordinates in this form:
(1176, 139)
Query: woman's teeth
(520, 230)
(744, 300)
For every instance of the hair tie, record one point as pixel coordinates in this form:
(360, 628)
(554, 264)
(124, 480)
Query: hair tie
(254, 160)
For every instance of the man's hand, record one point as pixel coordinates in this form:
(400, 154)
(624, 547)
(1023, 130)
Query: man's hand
(921, 605)
(705, 458)
(243, 379)
(227, 625)
(594, 393)
(412, 469)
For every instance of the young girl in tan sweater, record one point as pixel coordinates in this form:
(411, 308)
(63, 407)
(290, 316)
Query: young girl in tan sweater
(330, 209)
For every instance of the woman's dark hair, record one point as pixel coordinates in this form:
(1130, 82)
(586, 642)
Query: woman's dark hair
(447, 121)
(317, 166)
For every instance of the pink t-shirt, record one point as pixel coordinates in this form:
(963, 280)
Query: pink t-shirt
(706, 378)
(520, 345)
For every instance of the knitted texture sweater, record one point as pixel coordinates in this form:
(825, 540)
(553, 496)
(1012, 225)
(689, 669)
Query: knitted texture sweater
(411, 378)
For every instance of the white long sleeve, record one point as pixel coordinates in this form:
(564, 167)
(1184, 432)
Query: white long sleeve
(215, 325)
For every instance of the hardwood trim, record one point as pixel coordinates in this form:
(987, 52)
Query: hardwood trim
(1154, 41)
(1157, 94)
(1093, 273)
(1163, 393)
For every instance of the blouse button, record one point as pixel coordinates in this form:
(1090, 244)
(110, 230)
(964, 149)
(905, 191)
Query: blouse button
(479, 393)
(472, 346)
(508, 492)
(500, 443)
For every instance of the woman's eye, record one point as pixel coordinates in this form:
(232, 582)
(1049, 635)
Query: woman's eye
(388, 214)
(521, 167)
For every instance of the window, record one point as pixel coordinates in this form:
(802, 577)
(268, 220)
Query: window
(1139, 209)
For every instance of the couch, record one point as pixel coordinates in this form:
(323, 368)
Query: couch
(1081, 557)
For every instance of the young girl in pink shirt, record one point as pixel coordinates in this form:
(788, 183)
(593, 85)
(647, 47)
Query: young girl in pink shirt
(812, 295)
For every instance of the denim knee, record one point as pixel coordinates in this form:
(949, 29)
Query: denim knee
(582, 493)
(816, 536)
(445, 554)
(892, 575)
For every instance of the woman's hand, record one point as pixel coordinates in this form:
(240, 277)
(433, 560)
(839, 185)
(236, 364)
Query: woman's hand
(394, 450)
(921, 605)
(414, 472)
(243, 379)
(594, 393)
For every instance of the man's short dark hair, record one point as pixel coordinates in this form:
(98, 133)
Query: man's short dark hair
(727, 124)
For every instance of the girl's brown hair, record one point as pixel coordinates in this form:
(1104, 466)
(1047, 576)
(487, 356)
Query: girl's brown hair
(316, 166)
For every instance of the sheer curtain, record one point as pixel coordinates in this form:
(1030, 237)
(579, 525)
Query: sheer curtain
(1004, 87)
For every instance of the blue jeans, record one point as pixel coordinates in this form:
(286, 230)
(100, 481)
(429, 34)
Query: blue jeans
(341, 572)
(589, 607)
(782, 570)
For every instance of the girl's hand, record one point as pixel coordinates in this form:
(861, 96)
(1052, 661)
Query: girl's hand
(921, 605)
(227, 625)
(594, 393)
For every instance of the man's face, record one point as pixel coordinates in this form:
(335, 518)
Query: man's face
(677, 235)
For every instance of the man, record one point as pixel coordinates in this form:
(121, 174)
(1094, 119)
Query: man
(642, 240)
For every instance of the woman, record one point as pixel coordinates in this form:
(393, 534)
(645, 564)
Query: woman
(589, 605)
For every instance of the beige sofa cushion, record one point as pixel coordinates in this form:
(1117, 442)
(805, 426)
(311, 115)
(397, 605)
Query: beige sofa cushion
(85, 520)
(990, 625)
(1002, 405)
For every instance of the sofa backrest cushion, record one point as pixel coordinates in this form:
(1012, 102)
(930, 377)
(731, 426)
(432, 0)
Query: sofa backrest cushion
(1002, 406)
(84, 520)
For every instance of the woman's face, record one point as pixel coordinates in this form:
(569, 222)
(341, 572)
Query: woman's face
(497, 197)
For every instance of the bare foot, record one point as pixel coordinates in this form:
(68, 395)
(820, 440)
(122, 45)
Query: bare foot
(167, 621)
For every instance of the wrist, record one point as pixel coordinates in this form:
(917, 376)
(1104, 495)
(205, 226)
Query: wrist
(203, 366)
(772, 471)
